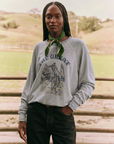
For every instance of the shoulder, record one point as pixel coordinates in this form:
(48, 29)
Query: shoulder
(76, 41)
(80, 48)
(77, 44)
(40, 45)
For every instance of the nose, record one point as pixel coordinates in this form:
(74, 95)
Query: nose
(53, 19)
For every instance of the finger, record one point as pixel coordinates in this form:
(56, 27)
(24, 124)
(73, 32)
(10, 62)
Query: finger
(25, 129)
(22, 135)
(19, 132)
(25, 138)
(25, 132)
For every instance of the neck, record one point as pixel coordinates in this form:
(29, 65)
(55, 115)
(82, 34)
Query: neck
(55, 35)
(61, 37)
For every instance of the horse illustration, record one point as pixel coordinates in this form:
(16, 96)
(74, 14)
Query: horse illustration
(51, 74)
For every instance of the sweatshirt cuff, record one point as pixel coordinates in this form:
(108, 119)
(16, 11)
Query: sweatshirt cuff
(73, 105)
(22, 117)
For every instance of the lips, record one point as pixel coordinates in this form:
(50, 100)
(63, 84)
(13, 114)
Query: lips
(53, 26)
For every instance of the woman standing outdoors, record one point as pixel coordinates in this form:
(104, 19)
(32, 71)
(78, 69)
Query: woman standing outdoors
(60, 79)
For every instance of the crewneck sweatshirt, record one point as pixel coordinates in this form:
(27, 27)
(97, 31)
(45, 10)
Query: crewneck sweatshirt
(51, 81)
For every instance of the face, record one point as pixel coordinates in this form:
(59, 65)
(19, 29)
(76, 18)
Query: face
(54, 20)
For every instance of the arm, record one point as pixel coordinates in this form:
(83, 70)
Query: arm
(86, 79)
(24, 99)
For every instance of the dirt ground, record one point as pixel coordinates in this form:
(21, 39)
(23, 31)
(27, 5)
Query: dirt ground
(80, 121)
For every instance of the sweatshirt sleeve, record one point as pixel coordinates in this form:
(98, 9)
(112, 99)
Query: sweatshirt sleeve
(30, 79)
(86, 79)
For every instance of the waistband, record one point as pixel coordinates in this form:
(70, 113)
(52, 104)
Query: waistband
(34, 103)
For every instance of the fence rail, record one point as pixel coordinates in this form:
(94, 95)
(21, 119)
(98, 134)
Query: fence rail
(17, 46)
(98, 130)
(13, 78)
(92, 49)
(18, 94)
(24, 78)
(83, 113)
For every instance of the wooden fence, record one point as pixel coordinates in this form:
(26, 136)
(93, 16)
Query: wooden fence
(82, 113)
(92, 49)
(17, 46)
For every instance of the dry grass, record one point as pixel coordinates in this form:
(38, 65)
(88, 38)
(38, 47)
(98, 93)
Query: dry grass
(102, 37)
(29, 30)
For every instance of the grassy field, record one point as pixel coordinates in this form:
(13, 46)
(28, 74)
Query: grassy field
(103, 65)
(17, 64)
(14, 63)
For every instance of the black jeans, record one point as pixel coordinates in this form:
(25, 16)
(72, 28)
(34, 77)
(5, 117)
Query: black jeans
(43, 121)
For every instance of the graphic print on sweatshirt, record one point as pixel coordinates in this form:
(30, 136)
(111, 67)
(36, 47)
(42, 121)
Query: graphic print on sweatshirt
(52, 79)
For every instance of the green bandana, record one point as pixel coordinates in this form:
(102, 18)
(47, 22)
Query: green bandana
(56, 40)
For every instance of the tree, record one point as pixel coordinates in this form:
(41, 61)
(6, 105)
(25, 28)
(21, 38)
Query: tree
(35, 12)
(89, 24)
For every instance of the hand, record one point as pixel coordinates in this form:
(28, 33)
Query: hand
(67, 110)
(22, 130)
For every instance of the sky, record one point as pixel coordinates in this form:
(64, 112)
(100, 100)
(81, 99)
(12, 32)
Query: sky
(101, 9)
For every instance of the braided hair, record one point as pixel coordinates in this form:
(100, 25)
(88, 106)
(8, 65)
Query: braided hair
(65, 17)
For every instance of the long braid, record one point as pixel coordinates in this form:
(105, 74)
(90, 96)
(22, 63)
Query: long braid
(65, 17)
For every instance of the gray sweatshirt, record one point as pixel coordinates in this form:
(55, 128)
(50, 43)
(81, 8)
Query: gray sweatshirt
(51, 81)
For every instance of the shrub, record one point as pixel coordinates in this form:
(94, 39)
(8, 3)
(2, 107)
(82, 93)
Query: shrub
(11, 24)
(89, 24)
(107, 20)
(2, 18)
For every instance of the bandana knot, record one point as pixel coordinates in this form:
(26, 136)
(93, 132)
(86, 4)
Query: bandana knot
(56, 40)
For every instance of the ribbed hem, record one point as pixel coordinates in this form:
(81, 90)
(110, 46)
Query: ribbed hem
(73, 105)
(22, 117)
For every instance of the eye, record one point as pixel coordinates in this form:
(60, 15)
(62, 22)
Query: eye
(48, 16)
(57, 16)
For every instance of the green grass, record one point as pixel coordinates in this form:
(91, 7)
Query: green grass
(103, 65)
(14, 63)
(17, 64)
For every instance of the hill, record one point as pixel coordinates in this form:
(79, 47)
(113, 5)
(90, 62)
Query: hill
(3, 12)
(29, 29)
(101, 40)
(29, 32)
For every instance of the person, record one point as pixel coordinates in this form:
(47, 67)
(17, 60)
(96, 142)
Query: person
(60, 79)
